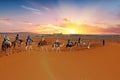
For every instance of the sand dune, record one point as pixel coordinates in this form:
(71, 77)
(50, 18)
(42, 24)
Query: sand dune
(97, 63)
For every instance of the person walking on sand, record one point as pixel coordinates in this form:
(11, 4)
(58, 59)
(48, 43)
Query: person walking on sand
(103, 42)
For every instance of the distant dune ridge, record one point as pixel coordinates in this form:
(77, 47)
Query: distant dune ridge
(115, 37)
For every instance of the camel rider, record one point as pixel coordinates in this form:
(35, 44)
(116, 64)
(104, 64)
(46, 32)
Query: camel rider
(79, 40)
(57, 41)
(6, 38)
(17, 37)
(29, 39)
(70, 42)
(42, 39)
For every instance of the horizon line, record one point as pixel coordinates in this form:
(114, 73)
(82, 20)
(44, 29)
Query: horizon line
(57, 33)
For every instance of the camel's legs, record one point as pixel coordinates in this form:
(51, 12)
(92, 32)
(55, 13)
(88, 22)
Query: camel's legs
(8, 51)
(26, 47)
(42, 48)
(46, 49)
(70, 49)
(58, 49)
(30, 47)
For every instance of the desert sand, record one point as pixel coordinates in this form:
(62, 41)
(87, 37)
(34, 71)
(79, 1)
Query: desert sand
(97, 63)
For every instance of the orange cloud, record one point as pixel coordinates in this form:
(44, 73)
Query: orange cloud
(66, 27)
(111, 30)
(66, 20)
(91, 29)
(26, 22)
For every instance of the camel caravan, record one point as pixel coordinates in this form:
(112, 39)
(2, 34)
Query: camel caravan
(8, 46)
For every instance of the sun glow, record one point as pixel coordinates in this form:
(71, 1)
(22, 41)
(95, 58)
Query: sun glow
(72, 31)
(67, 28)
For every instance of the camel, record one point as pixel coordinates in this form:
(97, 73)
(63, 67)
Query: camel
(28, 45)
(84, 44)
(6, 46)
(43, 45)
(80, 43)
(17, 44)
(70, 46)
(57, 47)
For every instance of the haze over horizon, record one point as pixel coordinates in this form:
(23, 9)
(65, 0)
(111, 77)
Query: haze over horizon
(60, 16)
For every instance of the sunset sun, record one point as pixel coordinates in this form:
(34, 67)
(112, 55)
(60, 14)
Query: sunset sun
(72, 31)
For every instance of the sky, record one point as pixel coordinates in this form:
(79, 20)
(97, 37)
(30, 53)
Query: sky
(60, 16)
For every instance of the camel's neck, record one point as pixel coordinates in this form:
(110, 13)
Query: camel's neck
(61, 45)
(74, 44)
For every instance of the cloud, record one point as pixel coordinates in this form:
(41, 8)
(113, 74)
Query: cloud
(26, 22)
(5, 21)
(101, 28)
(112, 30)
(33, 10)
(46, 7)
(79, 28)
(66, 20)
(47, 29)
